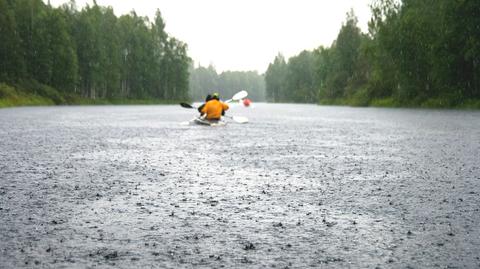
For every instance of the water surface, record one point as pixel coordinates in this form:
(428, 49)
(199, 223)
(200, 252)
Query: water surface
(299, 186)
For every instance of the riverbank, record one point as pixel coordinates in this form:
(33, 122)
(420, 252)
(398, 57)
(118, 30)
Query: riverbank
(442, 103)
(11, 96)
(41, 95)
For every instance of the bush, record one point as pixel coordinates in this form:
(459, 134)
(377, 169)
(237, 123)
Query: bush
(360, 98)
(384, 102)
(470, 104)
(7, 91)
(436, 103)
(11, 96)
(34, 87)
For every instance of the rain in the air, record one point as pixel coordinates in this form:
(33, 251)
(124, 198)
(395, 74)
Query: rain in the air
(239, 134)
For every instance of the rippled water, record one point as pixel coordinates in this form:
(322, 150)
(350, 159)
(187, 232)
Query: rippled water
(299, 186)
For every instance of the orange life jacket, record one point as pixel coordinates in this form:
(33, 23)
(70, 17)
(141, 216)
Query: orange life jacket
(213, 109)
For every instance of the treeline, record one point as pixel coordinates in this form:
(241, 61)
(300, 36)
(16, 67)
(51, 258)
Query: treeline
(91, 53)
(416, 53)
(205, 80)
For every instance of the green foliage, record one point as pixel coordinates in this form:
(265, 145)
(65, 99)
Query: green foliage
(205, 80)
(89, 53)
(326, 73)
(9, 96)
(301, 76)
(422, 53)
(345, 54)
(11, 62)
(36, 88)
(7, 91)
(384, 102)
(231, 82)
(64, 62)
(44, 96)
(275, 80)
(470, 104)
(361, 97)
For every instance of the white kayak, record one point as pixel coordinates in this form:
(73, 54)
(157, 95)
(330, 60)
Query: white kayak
(202, 121)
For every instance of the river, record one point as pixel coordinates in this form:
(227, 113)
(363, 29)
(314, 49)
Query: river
(298, 186)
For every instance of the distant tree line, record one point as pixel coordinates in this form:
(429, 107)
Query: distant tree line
(417, 52)
(205, 80)
(90, 52)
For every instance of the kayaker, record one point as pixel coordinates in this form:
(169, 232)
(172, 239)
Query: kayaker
(214, 108)
(208, 98)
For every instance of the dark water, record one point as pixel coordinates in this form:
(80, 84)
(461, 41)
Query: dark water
(299, 186)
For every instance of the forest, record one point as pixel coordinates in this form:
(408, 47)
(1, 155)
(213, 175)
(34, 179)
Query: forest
(65, 55)
(205, 80)
(417, 53)
(69, 56)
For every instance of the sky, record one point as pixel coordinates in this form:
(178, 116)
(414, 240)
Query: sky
(245, 35)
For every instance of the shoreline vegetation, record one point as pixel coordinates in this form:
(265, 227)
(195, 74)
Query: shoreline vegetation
(432, 103)
(14, 97)
(67, 55)
(416, 54)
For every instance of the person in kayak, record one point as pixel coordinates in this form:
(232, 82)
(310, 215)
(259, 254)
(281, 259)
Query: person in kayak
(208, 98)
(214, 109)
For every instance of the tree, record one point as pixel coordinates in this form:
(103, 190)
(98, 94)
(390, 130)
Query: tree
(202, 81)
(32, 21)
(345, 53)
(205, 80)
(178, 66)
(458, 49)
(300, 78)
(275, 79)
(11, 61)
(160, 39)
(64, 74)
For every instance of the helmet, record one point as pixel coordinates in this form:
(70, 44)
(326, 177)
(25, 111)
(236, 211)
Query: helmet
(208, 98)
(215, 96)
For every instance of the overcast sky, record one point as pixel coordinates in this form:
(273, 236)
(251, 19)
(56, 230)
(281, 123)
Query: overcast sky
(244, 35)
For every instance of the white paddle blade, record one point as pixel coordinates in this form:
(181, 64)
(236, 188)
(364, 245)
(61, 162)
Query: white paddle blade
(240, 95)
(240, 119)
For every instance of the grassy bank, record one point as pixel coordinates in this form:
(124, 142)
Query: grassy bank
(10, 96)
(391, 102)
(41, 95)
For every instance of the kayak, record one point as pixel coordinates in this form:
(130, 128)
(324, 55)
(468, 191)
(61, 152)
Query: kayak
(202, 121)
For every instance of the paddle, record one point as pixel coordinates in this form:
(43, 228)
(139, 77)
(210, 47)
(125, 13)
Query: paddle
(185, 105)
(238, 96)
